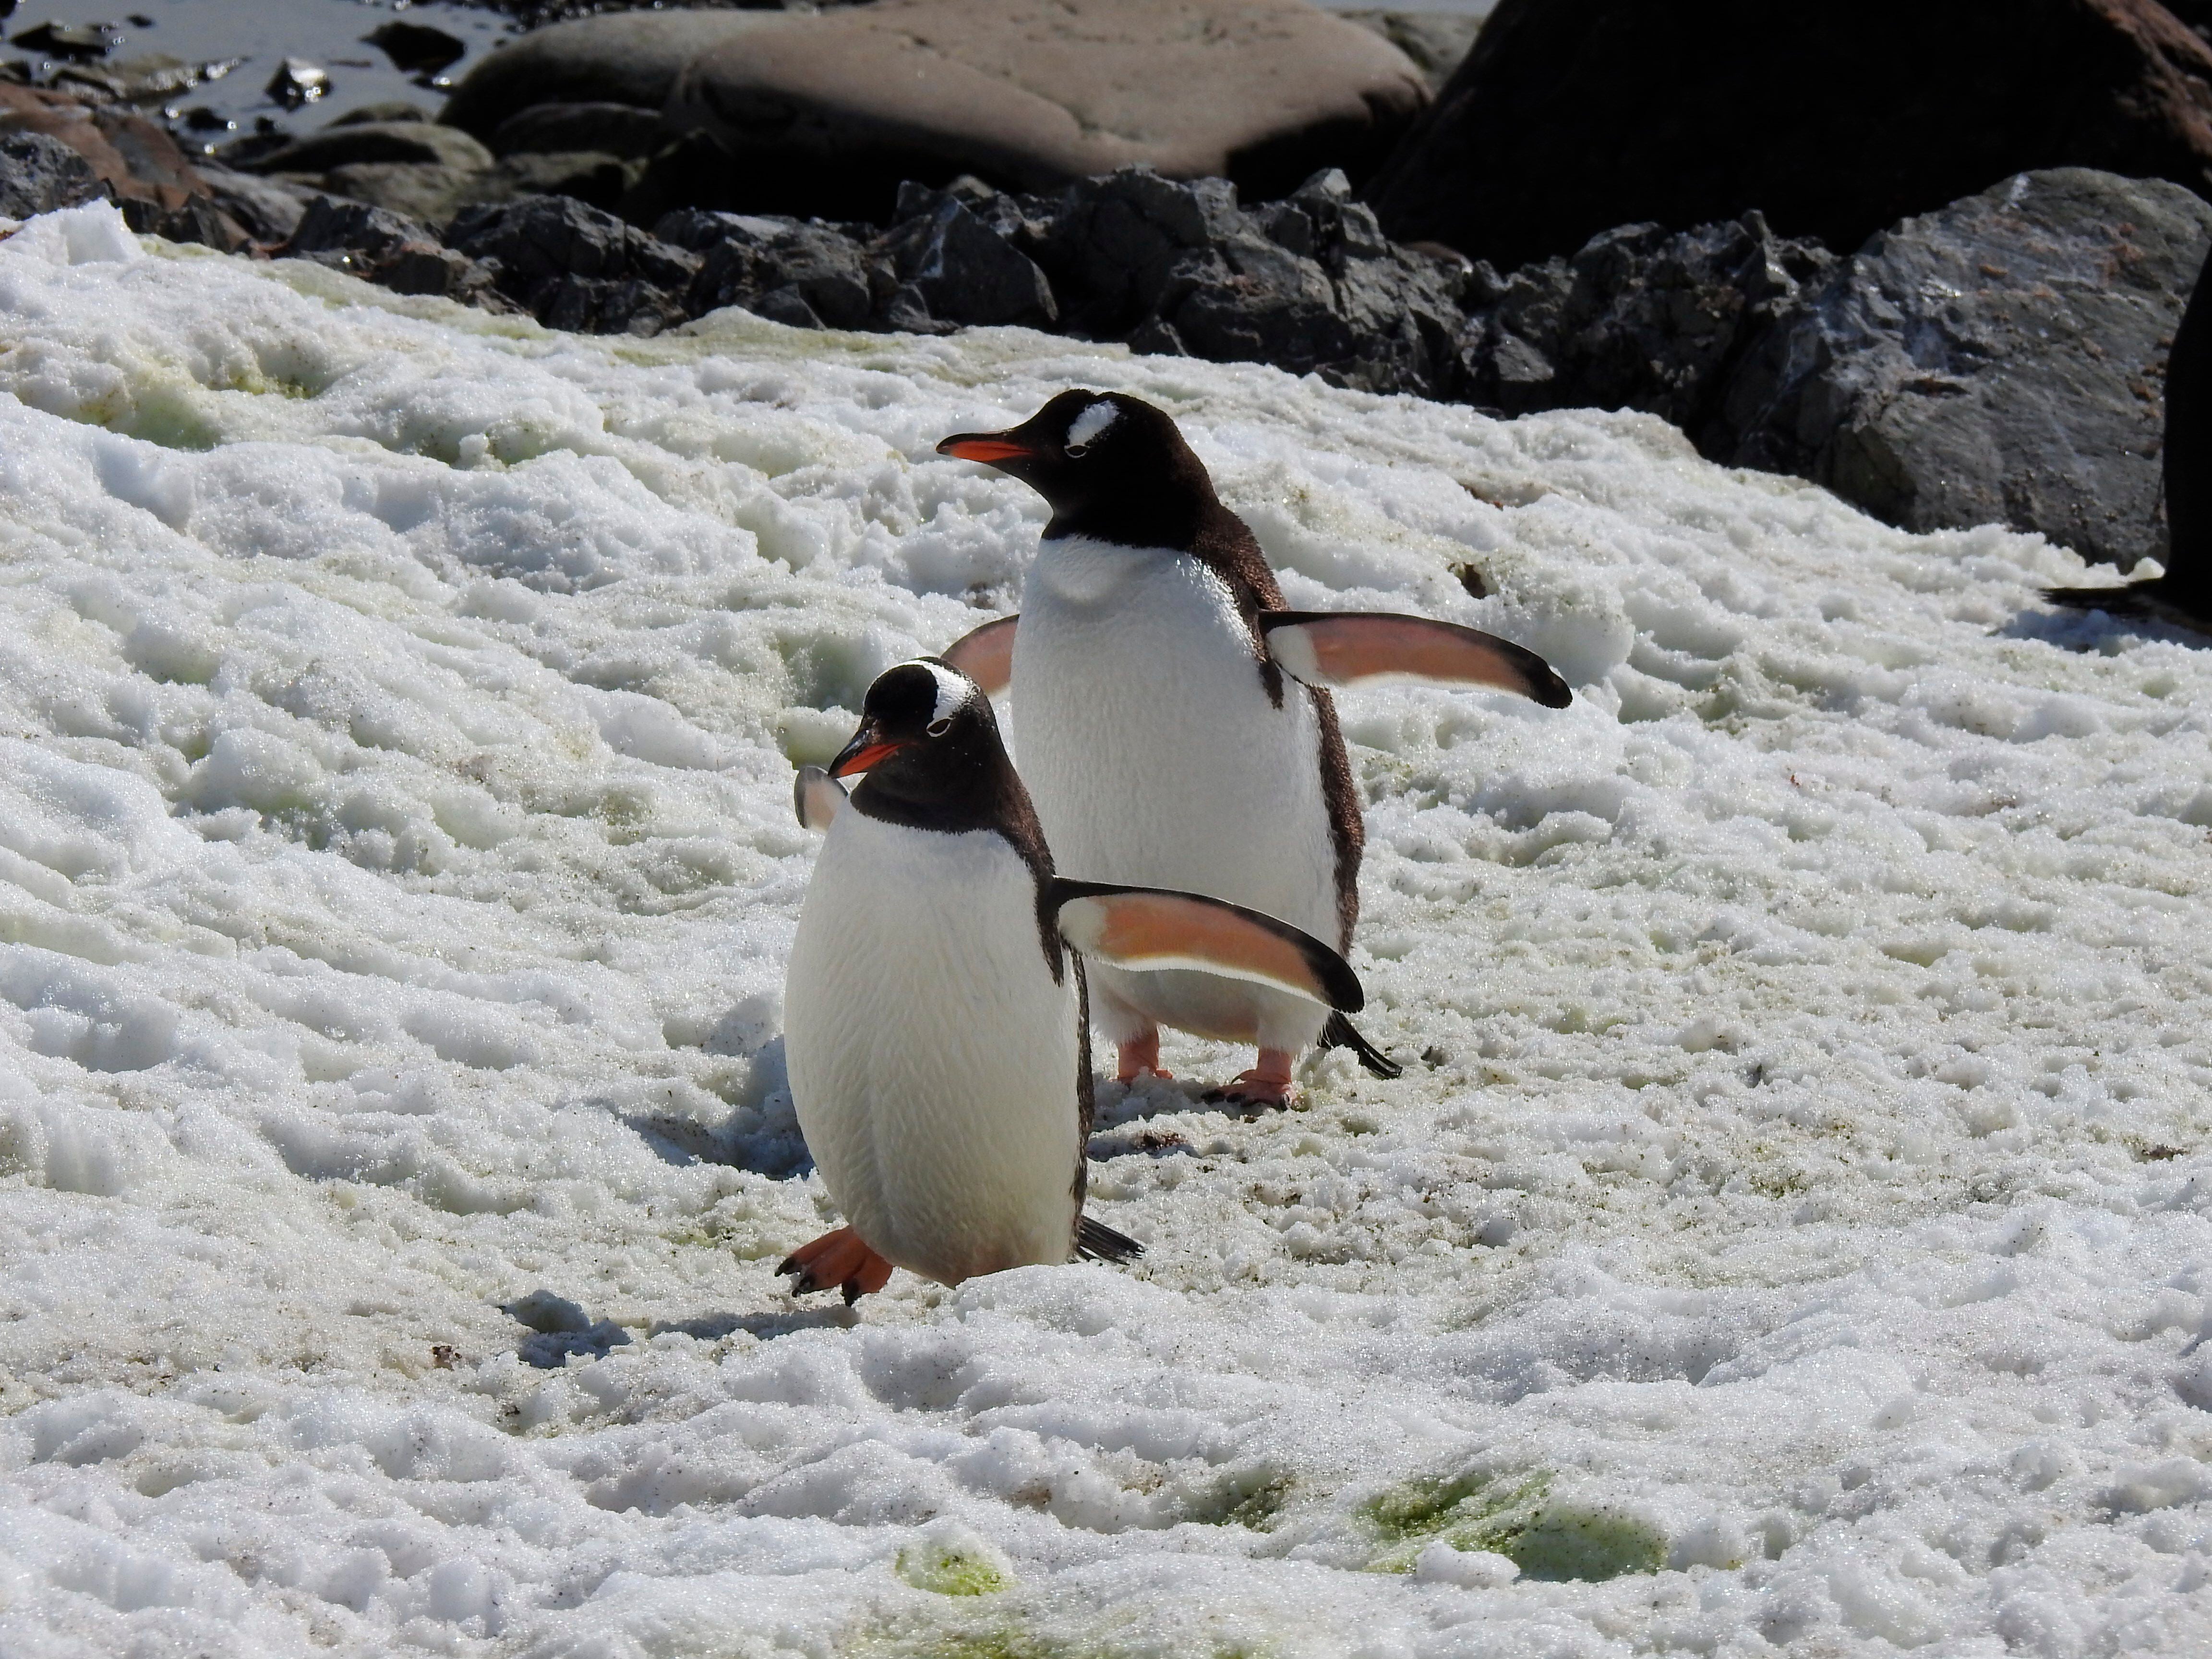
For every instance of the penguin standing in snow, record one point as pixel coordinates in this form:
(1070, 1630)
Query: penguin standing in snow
(1175, 722)
(935, 1032)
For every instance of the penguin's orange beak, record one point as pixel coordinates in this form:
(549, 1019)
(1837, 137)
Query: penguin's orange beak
(867, 748)
(989, 447)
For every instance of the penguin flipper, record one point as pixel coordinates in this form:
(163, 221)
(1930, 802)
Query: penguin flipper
(1151, 928)
(2144, 601)
(816, 798)
(1334, 649)
(985, 655)
(1096, 1241)
(1340, 1033)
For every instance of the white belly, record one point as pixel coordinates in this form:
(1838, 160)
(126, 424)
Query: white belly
(1148, 743)
(933, 1059)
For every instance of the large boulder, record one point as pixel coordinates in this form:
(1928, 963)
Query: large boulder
(629, 58)
(1998, 361)
(1571, 117)
(827, 114)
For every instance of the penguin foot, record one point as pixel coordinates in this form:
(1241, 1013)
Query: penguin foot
(1133, 1061)
(1266, 1087)
(837, 1260)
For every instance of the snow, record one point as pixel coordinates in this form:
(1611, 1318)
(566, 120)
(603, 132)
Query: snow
(1793, 1229)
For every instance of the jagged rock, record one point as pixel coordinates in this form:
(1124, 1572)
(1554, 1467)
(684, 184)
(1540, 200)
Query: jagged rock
(623, 129)
(1118, 241)
(810, 275)
(956, 267)
(39, 173)
(575, 267)
(1998, 361)
(137, 164)
(1571, 117)
(384, 248)
(1640, 318)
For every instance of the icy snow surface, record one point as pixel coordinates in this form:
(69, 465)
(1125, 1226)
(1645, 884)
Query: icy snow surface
(1791, 1229)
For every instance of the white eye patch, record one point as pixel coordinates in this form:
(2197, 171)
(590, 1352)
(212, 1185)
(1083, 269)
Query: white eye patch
(1093, 423)
(952, 693)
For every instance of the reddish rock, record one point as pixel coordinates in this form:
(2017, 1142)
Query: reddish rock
(1571, 117)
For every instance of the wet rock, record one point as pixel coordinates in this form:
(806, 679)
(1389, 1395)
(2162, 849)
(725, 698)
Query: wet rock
(383, 248)
(297, 82)
(575, 267)
(137, 164)
(1998, 361)
(426, 191)
(590, 176)
(623, 129)
(416, 48)
(69, 39)
(1571, 117)
(40, 173)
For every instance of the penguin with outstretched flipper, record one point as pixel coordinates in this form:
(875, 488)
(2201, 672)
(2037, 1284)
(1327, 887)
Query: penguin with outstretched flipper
(1174, 720)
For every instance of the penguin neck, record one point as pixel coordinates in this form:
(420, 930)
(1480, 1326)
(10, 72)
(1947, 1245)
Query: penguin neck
(1193, 524)
(953, 790)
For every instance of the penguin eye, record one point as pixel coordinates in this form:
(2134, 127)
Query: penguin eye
(938, 728)
(1075, 452)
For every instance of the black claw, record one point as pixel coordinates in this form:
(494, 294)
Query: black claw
(853, 1291)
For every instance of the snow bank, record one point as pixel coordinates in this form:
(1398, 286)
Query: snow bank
(1792, 1228)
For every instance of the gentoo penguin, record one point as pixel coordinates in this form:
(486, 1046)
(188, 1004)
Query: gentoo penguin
(1174, 720)
(935, 1032)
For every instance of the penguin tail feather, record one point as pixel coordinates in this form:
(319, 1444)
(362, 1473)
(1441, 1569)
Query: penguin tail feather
(1339, 1033)
(1096, 1241)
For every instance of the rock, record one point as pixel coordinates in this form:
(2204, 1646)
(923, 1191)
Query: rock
(575, 267)
(1997, 361)
(297, 82)
(828, 113)
(957, 268)
(364, 142)
(623, 129)
(1571, 117)
(70, 40)
(629, 58)
(39, 173)
(390, 110)
(1436, 41)
(137, 164)
(426, 191)
(590, 176)
(811, 275)
(1640, 318)
(268, 210)
(384, 248)
(416, 48)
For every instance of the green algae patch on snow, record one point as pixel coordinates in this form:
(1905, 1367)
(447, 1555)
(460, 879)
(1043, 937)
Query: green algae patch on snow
(1552, 1541)
(955, 1566)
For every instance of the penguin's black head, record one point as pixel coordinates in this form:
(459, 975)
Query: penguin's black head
(930, 745)
(1096, 457)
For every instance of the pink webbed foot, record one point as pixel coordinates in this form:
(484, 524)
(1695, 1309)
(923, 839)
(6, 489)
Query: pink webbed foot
(836, 1261)
(1141, 1058)
(1266, 1084)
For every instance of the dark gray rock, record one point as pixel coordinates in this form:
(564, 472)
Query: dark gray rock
(1640, 318)
(40, 173)
(808, 275)
(1998, 361)
(575, 267)
(959, 267)
(623, 129)
(382, 247)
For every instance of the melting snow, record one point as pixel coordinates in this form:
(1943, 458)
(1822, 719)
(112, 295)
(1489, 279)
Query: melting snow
(1795, 1225)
